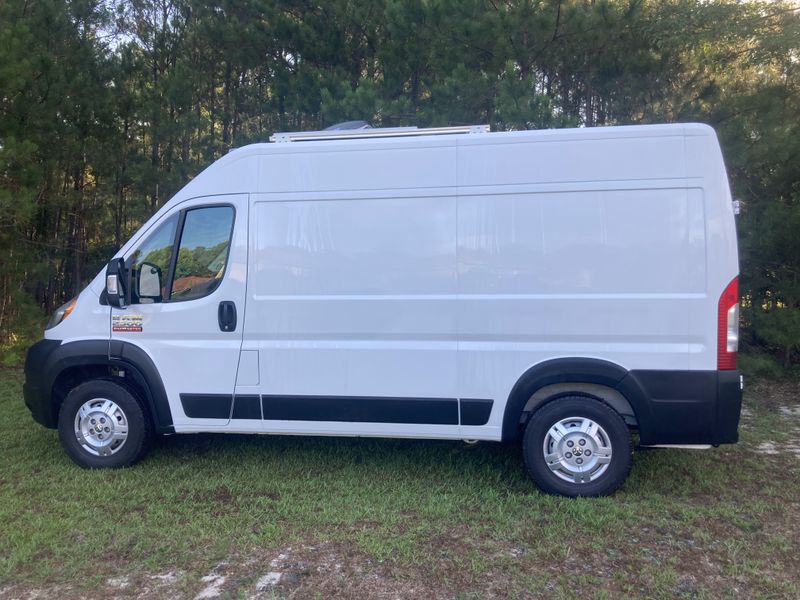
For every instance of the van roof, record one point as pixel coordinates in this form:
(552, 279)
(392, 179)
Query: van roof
(475, 134)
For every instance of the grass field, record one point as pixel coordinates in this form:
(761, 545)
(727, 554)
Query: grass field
(240, 516)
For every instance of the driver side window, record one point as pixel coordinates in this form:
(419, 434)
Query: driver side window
(202, 252)
(160, 272)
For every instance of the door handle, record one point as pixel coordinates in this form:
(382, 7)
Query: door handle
(226, 314)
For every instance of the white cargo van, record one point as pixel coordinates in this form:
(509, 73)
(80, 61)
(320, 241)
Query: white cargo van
(561, 288)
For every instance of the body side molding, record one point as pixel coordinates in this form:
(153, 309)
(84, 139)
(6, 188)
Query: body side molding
(475, 412)
(247, 406)
(361, 409)
(350, 409)
(207, 406)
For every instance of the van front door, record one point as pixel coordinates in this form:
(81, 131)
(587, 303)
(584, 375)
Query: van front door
(187, 280)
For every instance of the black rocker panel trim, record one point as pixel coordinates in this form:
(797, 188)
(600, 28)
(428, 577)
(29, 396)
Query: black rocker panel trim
(355, 409)
(361, 409)
(475, 412)
(247, 407)
(207, 406)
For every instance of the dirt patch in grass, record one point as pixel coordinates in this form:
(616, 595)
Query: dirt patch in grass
(324, 569)
(773, 394)
(780, 423)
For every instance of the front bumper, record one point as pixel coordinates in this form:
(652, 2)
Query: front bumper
(37, 389)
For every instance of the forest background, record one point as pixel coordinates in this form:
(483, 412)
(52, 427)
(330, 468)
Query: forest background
(107, 108)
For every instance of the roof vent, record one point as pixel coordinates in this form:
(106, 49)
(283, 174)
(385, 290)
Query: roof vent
(348, 126)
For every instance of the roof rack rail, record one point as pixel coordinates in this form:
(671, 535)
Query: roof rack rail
(349, 134)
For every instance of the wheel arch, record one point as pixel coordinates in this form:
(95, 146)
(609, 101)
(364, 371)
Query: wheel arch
(600, 379)
(72, 363)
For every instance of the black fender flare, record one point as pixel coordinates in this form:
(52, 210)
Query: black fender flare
(571, 370)
(48, 359)
(141, 369)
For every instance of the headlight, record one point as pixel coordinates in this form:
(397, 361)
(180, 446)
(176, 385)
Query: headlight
(62, 312)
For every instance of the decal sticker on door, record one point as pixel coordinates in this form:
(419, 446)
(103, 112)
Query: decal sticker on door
(126, 323)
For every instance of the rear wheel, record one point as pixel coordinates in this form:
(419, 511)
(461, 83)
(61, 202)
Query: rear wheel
(101, 424)
(577, 446)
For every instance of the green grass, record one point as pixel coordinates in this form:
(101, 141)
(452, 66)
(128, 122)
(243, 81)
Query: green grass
(446, 518)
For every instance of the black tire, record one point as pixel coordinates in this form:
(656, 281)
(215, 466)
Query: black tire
(612, 429)
(139, 427)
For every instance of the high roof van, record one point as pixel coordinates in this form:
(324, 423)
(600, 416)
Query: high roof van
(565, 289)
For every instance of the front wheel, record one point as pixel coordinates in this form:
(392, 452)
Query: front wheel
(577, 446)
(102, 425)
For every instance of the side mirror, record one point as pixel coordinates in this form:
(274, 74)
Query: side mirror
(115, 283)
(149, 282)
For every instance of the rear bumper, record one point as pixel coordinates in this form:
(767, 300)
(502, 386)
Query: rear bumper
(685, 407)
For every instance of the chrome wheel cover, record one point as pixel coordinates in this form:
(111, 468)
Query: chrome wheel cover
(101, 427)
(577, 450)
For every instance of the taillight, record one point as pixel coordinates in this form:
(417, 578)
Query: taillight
(728, 327)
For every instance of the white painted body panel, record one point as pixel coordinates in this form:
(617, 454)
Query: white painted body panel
(445, 267)
(89, 320)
